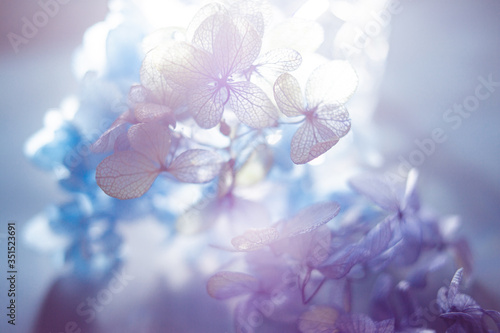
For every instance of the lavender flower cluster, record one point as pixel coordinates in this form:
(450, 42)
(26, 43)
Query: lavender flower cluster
(215, 109)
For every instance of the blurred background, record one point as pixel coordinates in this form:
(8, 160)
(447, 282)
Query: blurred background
(438, 50)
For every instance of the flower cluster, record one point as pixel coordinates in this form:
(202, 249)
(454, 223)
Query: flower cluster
(240, 105)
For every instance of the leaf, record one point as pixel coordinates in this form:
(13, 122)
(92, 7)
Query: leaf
(206, 104)
(252, 106)
(310, 218)
(150, 139)
(126, 174)
(331, 83)
(196, 166)
(224, 285)
(106, 141)
(310, 141)
(288, 95)
(255, 239)
(319, 319)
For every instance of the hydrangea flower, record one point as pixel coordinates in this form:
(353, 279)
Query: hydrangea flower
(129, 174)
(325, 118)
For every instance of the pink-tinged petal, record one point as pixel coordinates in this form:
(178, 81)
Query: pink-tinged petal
(310, 218)
(206, 104)
(126, 174)
(196, 166)
(252, 106)
(278, 61)
(149, 112)
(335, 117)
(106, 141)
(237, 45)
(202, 14)
(331, 83)
(155, 85)
(310, 141)
(122, 143)
(288, 95)
(224, 285)
(257, 13)
(150, 139)
(319, 319)
(255, 239)
(185, 65)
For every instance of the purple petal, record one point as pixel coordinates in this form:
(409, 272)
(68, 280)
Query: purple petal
(196, 166)
(356, 323)
(106, 141)
(319, 319)
(278, 61)
(148, 112)
(385, 326)
(224, 285)
(335, 117)
(150, 139)
(331, 83)
(126, 174)
(377, 190)
(251, 105)
(288, 95)
(310, 141)
(206, 104)
(377, 239)
(310, 218)
(454, 285)
(255, 239)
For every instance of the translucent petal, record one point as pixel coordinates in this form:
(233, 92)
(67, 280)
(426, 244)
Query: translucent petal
(454, 285)
(148, 112)
(251, 105)
(356, 323)
(196, 166)
(310, 141)
(106, 141)
(255, 239)
(335, 117)
(288, 95)
(224, 285)
(150, 139)
(319, 319)
(152, 79)
(410, 198)
(277, 61)
(377, 239)
(256, 12)
(206, 104)
(202, 14)
(126, 174)
(385, 326)
(331, 83)
(185, 65)
(298, 34)
(310, 218)
(339, 266)
(236, 47)
(377, 190)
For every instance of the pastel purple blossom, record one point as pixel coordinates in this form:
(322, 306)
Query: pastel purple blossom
(129, 174)
(325, 117)
(209, 71)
